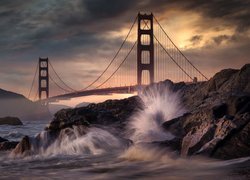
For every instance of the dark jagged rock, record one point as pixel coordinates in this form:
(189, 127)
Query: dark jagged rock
(7, 145)
(237, 144)
(217, 122)
(23, 147)
(110, 112)
(10, 121)
(2, 139)
(173, 144)
(219, 110)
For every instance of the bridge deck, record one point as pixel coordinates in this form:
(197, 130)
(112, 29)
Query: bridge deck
(104, 91)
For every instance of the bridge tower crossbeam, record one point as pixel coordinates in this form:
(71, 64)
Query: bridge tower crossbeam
(147, 49)
(43, 79)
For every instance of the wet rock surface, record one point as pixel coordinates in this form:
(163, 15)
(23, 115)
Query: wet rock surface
(2, 139)
(217, 122)
(109, 113)
(6, 145)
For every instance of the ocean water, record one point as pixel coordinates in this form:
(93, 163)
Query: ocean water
(138, 161)
(96, 153)
(29, 128)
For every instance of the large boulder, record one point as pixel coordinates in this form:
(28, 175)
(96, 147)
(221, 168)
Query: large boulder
(217, 122)
(238, 144)
(109, 113)
(10, 121)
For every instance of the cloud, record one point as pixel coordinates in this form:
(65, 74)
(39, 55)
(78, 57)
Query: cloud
(99, 9)
(79, 32)
(195, 40)
(219, 39)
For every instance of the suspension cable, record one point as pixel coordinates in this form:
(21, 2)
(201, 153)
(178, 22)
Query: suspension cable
(179, 49)
(113, 57)
(58, 84)
(173, 58)
(146, 25)
(33, 81)
(169, 54)
(118, 66)
(36, 95)
(61, 78)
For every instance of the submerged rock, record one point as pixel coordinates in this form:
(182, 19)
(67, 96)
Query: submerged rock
(10, 121)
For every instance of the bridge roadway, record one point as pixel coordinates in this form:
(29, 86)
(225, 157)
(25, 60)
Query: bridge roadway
(103, 91)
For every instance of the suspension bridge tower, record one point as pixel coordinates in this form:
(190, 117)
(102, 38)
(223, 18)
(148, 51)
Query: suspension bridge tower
(145, 47)
(43, 79)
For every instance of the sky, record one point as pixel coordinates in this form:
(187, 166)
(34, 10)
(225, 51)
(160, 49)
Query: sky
(81, 36)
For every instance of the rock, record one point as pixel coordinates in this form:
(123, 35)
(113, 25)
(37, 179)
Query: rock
(23, 147)
(220, 110)
(220, 80)
(237, 144)
(109, 113)
(229, 80)
(173, 144)
(175, 126)
(238, 104)
(113, 114)
(10, 121)
(2, 139)
(7, 145)
(223, 129)
(195, 138)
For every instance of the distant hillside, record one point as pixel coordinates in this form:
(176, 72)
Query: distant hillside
(13, 104)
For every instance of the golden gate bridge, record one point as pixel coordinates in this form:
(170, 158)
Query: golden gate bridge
(146, 55)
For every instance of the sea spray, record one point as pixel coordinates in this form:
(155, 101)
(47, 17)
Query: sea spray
(96, 141)
(78, 140)
(160, 104)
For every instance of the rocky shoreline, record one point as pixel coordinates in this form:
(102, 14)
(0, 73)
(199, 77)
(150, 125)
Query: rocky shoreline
(216, 124)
